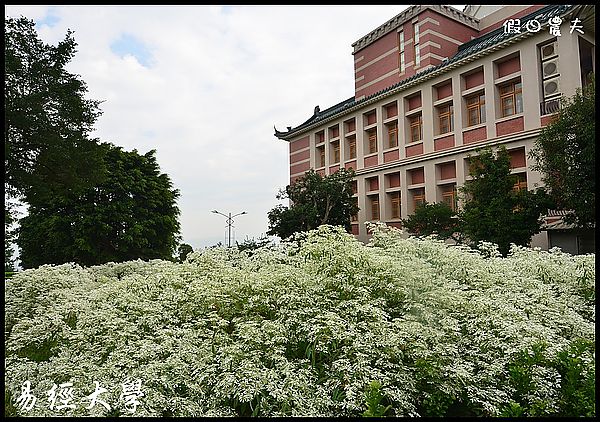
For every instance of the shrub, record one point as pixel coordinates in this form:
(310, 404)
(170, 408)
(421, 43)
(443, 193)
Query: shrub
(320, 325)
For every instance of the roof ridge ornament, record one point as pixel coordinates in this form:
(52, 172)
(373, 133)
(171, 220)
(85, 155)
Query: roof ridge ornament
(317, 109)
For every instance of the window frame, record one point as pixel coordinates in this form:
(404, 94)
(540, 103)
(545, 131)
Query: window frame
(352, 148)
(375, 206)
(515, 94)
(446, 115)
(416, 121)
(392, 130)
(395, 200)
(479, 107)
(372, 140)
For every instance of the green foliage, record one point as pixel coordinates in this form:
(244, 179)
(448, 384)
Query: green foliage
(253, 244)
(304, 327)
(432, 219)
(316, 200)
(565, 154)
(183, 251)
(131, 215)
(373, 399)
(492, 211)
(47, 151)
(9, 235)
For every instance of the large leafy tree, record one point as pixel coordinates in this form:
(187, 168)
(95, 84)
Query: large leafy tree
(495, 212)
(47, 119)
(315, 200)
(132, 214)
(565, 155)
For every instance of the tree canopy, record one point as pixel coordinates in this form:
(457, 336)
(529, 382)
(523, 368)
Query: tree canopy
(131, 215)
(47, 119)
(433, 218)
(493, 210)
(565, 155)
(315, 200)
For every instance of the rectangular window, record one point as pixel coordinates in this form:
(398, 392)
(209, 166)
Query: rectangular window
(511, 99)
(392, 135)
(446, 117)
(401, 49)
(521, 182)
(354, 217)
(417, 47)
(476, 110)
(336, 152)
(416, 128)
(320, 137)
(352, 148)
(395, 201)
(372, 141)
(418, 197)
(449, 196)
(375, 208)
(321, 156)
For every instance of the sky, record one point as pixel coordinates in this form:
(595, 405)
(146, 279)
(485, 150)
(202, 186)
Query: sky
(205, 85)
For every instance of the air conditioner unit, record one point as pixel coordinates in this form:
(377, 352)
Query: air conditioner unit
(550, 68)
(549, 50)
(551, 88)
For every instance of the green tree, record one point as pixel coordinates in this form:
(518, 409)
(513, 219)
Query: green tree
(184, 250)
(493, 210)
(9, 218)
(315, 200)
(132, 214)
(428, 219)
(47, 120)
(565, 155)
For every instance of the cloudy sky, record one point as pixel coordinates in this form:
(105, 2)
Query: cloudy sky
(204, 86)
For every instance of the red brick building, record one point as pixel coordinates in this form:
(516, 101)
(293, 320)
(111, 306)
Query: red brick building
(432, 85)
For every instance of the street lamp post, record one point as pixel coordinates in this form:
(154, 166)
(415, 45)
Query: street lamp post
(229, 222)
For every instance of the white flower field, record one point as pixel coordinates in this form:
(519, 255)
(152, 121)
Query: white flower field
(321, 325)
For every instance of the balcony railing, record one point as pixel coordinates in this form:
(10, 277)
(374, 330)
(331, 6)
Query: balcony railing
(549, 106)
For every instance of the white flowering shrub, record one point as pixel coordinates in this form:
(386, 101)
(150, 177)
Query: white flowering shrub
(320, 325)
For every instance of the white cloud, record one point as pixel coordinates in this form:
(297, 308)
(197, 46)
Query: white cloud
(220, 79)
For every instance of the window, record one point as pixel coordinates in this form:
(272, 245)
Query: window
(352, 148)
(395, 201)
(520, 183)
(476, 110)
(336, 151)
(418, 197)
(372, 140)
(511, 99)
(417, 47)
(392, 135)
(401, 49)
(446, 117)
(449, 196)
(416, 128)
(375, 208)
(354, 217)
(321, 155)
(320, 137)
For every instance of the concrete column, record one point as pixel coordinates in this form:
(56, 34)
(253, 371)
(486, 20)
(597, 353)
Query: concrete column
(530, 80)
(490, 98)
(428, 118)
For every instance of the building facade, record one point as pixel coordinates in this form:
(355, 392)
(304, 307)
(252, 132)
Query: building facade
(434, 84)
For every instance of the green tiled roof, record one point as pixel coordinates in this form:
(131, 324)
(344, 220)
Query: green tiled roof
(467, 49)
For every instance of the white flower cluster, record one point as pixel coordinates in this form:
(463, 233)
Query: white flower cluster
(299, 329)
